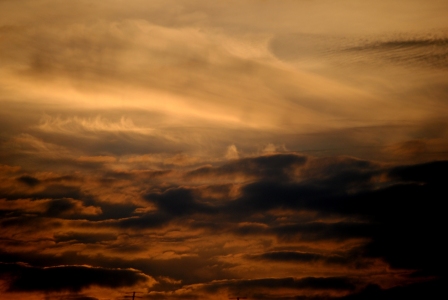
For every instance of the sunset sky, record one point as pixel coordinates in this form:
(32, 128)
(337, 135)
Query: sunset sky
(267, 149)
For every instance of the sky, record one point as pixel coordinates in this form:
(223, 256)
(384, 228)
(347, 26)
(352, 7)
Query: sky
(292, 149)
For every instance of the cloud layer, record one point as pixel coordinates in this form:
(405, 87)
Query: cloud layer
(336, 224)
(207, 150)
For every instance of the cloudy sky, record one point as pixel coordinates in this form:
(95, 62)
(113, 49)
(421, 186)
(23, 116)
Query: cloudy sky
(293, 149)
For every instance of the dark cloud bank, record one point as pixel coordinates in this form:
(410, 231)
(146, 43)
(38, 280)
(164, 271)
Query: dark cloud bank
(67, 278)
(397, 211)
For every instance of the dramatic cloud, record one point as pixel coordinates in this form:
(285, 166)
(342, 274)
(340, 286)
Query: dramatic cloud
(220, 149)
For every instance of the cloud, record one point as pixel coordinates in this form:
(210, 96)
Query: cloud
(292, 212)
(286, 149)
(84, 237)
(318, 231)
(147, 220)
(23, 277)
(97, 159)
(404, 49)
(297, 256)
(71, 297)
(178, 202)
(232, 152)
(51, 191)
(65, 206)
(429, 289)
(414, 52)
(268, 166)
(264, 284)
(426, 173)
(29, 180)
(77, 125)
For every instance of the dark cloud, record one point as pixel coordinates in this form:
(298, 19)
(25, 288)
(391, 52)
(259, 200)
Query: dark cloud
(384, 215)
(172, 205)
(343, 173)
(64, 196)
(111, 211)
(23, 277)
(32, 222)
(275, 167)
(432, 289)
(395, 214)
(85, 238)
(427, 173)
(29, 180)
(263, 196)
(52, 208)
(202, 267)
(70, 297)
(303, 257)
(277, 185)
(319, 231)
(147, 220)
(290, 256)
(60, 206)
(177, 202)
(313, 283)
(403, 219)
(50, 191)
